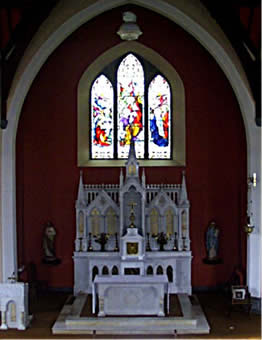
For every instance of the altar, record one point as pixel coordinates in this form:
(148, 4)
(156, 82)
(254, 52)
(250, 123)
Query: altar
(132, 254)
(132, 228)
(130, 295)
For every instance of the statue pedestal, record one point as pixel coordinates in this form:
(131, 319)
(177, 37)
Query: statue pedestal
(215, 260)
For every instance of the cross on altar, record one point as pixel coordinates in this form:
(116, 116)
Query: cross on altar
(132, 204)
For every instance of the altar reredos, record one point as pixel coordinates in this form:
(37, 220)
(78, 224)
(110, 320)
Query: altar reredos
(106, 242)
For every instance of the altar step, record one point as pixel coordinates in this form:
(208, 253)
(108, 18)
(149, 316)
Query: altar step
(191, 321)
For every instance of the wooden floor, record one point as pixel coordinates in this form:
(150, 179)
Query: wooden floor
(239, 325)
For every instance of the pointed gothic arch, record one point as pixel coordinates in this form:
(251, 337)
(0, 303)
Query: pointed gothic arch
(177, 97)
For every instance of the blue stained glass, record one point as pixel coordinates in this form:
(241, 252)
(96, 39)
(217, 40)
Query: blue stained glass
(102, 121)
(159, 101)
(130, 91)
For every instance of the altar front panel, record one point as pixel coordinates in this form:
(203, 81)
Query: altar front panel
(132, 295)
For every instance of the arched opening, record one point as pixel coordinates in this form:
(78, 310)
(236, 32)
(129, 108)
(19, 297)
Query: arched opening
(115, 270)
(149, 270)
(105, 270)
(95, 272)
(169, 273)
(159, 270)
(11, 314)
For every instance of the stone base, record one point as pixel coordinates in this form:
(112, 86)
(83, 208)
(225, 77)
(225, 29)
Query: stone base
(215, 260)
(192, 320)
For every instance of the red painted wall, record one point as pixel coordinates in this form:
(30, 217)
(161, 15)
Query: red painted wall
(46, 153)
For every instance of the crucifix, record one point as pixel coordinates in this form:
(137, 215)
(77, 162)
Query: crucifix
(132, 216)
(132, 205)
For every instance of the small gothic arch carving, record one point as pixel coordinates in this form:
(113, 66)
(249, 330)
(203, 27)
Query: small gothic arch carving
(95, 221)
(159, 270)
(95, 272)
(11, 311)
(169, 217)
(111, 221)
(184, 223)
(154, 221)
(115, 270)
(149, 270)
(81, 224)
(105, 271)
(169, 273)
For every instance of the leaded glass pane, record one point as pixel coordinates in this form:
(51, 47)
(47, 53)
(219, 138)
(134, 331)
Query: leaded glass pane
(159, 104)
(102, 121)
(130, 114)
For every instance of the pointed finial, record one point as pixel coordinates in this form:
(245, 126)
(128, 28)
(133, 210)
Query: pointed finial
(183, 192)
(132, 151)
(81, 195)
(143, 177)
(121, 178)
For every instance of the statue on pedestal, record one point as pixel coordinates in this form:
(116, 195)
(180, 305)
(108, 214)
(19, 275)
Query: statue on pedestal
(49, 244)
(212, 243)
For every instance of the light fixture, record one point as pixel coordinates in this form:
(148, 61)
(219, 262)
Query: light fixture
(129, 30)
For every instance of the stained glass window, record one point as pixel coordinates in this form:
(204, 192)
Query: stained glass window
(159, 98)
(102, 122)
(130, 98)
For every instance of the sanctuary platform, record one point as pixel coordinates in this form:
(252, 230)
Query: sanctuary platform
(185, 317)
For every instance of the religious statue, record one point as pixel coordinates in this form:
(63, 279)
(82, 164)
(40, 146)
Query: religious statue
(49, 244)
(212, 242)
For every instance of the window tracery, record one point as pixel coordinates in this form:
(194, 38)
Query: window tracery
(171, 126)
(141, 111)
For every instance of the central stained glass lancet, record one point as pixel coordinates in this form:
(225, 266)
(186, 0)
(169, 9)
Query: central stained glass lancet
(130, 113)
(102, 121)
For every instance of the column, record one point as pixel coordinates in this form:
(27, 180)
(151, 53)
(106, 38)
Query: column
(3, 317)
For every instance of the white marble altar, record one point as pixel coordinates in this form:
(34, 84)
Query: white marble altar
(130, 295)
(132, 228)
(132, 252)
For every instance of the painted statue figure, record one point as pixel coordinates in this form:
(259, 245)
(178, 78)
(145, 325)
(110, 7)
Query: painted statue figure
(212, 241)
(49, 244)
